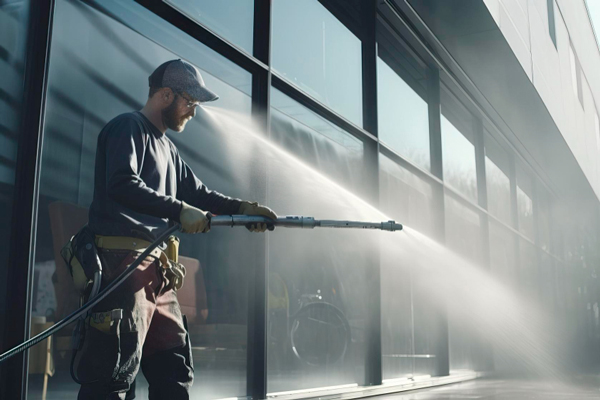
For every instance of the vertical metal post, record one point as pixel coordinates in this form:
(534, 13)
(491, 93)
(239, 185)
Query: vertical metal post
(435, 122)
(442, 348)
(256, 361)
(540, 269)
(514, 207)
(13, 373)
(373, 362)
(478, 135)
(483, 359)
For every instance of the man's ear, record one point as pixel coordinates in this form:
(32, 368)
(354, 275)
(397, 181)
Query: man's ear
(167, 96)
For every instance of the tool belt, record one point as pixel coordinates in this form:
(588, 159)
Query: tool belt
(81, 255)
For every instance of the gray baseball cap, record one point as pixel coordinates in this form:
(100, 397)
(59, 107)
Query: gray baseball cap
(182, 76)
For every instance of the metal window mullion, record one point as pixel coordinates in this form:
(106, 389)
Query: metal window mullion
(514, 207)
(482, 198)
(483, 357)
(435, 123)
(373, 363)
(537, 237)
(435, 155)
(256, 355)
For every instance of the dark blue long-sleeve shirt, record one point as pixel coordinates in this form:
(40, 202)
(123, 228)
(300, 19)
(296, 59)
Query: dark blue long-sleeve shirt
(140, 181)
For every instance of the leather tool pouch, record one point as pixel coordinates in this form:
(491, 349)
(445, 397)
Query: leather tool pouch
(81, 255)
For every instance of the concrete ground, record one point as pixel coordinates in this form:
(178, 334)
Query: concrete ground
(582, 388)
(507, 389)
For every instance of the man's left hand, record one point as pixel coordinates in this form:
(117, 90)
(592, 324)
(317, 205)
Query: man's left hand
(247, 208)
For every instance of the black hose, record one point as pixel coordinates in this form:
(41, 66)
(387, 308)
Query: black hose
(87, 306)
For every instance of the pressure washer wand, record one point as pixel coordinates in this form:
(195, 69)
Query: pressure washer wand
(293, 221)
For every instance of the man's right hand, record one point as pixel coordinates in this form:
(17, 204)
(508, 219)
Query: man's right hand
(193, 220)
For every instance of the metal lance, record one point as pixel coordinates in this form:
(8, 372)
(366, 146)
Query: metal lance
(293, 221)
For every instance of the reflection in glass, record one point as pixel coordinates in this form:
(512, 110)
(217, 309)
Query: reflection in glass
(502, 254)
(547, 281)
(317, 53)
(231, 19)
(498, 187)
(397, 328)
(406, 197)
(105, 76)
(459, 160)
(318, 312)
(545, 225)
(528, 269)
(525, 209)
(497, 181)
(427, 325)
(403, 116)
(316, 140)
(14, 17)
(463, 229)
(463, 341)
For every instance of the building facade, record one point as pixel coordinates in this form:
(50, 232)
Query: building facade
(472, 122)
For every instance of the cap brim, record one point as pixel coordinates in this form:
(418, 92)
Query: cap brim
(203, 95)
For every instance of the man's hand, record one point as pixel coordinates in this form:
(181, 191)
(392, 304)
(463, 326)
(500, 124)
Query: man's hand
(247, 208)
(193, 220)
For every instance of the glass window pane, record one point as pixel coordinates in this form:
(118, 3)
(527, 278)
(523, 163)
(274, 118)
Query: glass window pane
(318, 293)
(525, 204)
(463, 229)
(14, 17)
(396, 319)
(497, 181)
(465, 343)
(544, 215)
(458, 151)
(317, 53)
(316, 140)
(547, 278)
(502, 254)
(106, 76)
(528, 269)
(403, 116)
(428, 326)
(406, 197)
(231, 19)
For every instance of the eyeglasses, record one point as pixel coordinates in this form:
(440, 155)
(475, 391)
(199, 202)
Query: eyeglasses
(190, 103)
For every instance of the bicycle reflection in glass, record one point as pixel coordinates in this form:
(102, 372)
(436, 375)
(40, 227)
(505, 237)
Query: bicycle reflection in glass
(318, 334)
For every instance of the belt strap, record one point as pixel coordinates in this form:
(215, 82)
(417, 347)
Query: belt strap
(175, 275)
(130, 243)
(121, 242)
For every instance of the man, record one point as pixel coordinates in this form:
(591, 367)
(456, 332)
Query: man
(141, 187)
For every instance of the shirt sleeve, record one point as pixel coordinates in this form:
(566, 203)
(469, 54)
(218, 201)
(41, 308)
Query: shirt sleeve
(191, 190)
(125, 151)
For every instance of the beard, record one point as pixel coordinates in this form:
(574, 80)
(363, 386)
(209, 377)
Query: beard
(172, 120)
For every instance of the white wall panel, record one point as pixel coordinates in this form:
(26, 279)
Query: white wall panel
(518, 13)
(518, 44)
(494, 8)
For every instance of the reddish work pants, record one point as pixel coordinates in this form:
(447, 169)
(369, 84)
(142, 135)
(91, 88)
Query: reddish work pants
(152, 335)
